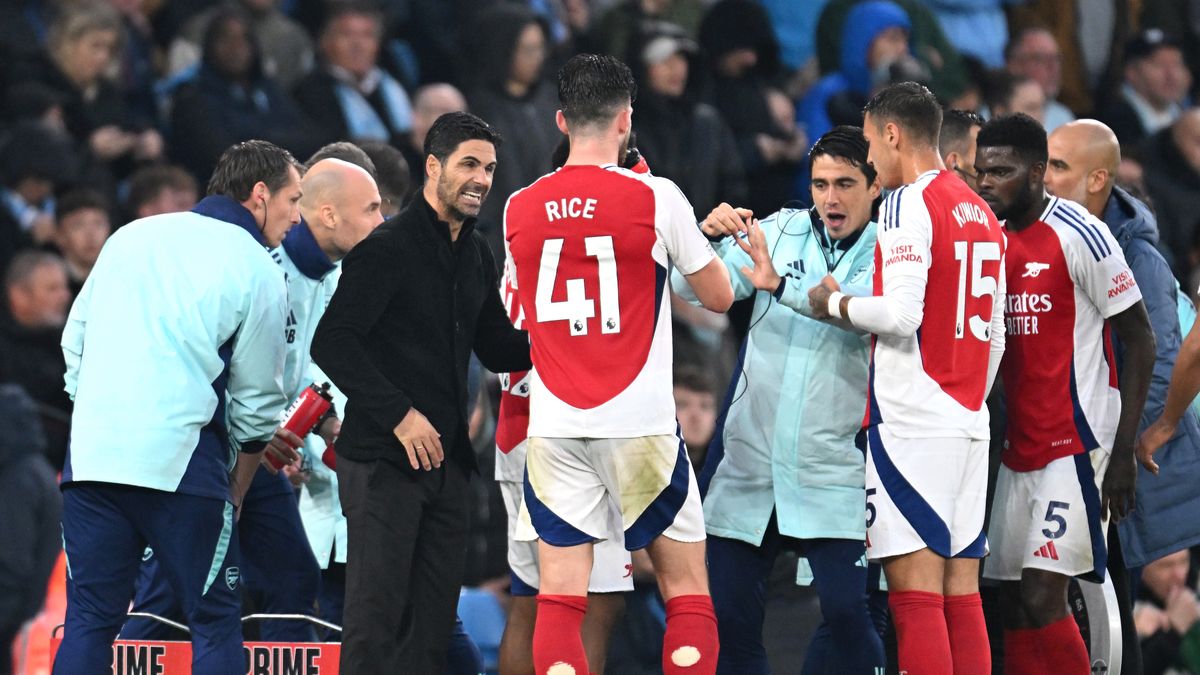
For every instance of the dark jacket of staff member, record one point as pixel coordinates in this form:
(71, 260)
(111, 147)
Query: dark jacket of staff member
(415, 298)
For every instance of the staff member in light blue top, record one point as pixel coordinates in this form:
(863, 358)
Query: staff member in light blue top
(175, 362)
(783, 469)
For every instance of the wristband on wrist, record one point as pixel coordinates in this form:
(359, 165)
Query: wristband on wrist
(834, 304)
(780, 288)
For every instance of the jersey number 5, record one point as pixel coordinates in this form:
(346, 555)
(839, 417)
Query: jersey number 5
(578, 308)
(979, 286)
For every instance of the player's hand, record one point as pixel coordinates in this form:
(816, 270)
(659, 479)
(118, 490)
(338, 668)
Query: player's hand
(329, 431)
(1117, 490)
(763, 274)
(295, 475)
(421, 441)
(281, 450)
(1182, 609)
(725, 220)
(1154, 437)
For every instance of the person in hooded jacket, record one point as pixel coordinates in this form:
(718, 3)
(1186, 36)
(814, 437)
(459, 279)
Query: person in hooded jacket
(231, 100)
(743, 55)
(33, 508)
(509, 92)
(874, 37)
(685, 138)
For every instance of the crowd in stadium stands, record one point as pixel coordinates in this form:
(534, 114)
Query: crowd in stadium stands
(115, 110)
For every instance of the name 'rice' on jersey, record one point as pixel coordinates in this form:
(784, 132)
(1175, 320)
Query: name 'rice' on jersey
(591, 246)
(932, 383)
(1066, 277)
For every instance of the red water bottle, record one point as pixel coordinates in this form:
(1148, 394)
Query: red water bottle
(303, 415)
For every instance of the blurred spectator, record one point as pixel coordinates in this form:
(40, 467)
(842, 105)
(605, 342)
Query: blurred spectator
(1166, 615)
(1006, 94)
(84, 223)
(35, 162)
(231, 100)
(430, 102)
(684, 139)
(1181, 19)
(947, 68)
(696, 408)
(36, 102)
(83, 44)
(1172, 173)
(392, 174)
(136, 70)
(36, 301)
(1034, 53)
(737, 39)
(29, 528)
(509, 44)
(287, 49)
(617, 29)
(977, 28)
(348, 94)
(160, 188)
(956, 144)
(874, 42)
(1154, 91)
(1090, 35)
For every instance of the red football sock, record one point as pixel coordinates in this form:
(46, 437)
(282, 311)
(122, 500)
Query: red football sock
(557, 644)
(969, 646)
(923, 641)
(690, 646)
(1022, 652)
(1062, 648)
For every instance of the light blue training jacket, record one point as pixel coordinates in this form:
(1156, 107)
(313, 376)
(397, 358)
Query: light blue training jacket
(173, 350)
(785, 437)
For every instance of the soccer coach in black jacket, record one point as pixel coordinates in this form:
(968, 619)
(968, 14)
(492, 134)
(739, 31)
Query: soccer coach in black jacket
(415, 298)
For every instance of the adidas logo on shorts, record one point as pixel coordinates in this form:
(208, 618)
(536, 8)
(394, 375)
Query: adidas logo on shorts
(1047, 551)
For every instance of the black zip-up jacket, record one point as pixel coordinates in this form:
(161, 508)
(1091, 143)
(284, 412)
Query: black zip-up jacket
(410, 307)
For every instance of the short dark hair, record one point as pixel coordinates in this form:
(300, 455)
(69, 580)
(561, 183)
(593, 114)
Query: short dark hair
(393, 174)
(909, 105)
(147, 183)
(1018, 131)
(453, 129)
(846, 143)
(999, 88)
(345, 151)
(956, 125)
(80, 199)
(246, 163)
(694, 378)
(21, 268)
(337, 9)
(593, 88)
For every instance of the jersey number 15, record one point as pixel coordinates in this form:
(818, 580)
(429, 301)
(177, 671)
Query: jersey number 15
(578, 308)
(979, 285)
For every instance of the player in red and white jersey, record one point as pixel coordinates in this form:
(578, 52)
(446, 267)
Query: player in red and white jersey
(612, 567)
(937, 319)
(1068, 463)
(591, 246)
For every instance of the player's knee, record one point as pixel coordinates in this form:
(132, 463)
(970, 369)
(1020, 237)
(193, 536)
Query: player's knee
(1043, 604)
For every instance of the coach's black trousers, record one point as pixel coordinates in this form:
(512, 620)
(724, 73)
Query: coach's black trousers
(404, 564)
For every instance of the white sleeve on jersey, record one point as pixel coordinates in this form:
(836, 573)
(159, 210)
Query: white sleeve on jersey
(1097, 264)
(675, 223)
(996, 353)
(905, 241)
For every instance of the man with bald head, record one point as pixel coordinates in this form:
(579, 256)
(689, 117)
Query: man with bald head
(339, 207)
(1084, 156)
(429, 103)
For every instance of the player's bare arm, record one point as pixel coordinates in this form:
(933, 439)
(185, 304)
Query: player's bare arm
(1185, 385)
(711, 285)
(1133, 328)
